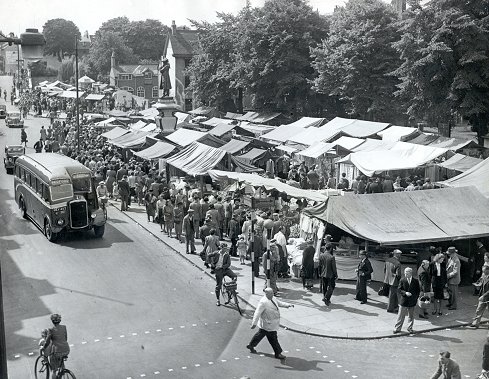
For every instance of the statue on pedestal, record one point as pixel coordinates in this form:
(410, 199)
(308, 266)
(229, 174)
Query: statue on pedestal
(165, 83)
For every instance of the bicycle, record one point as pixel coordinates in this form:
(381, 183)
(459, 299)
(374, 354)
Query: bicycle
(229, 293)
(42, 369)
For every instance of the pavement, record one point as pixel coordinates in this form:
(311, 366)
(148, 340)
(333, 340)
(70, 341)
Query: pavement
(344, 318)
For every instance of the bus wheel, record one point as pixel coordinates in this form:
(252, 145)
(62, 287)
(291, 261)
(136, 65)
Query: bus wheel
(48, 231)
(22, 207)
(99, 230)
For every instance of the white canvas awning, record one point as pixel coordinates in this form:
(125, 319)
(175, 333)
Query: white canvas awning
(371, 162)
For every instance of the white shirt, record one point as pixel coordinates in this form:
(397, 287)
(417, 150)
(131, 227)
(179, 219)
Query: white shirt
(267, 314)
(281, 240)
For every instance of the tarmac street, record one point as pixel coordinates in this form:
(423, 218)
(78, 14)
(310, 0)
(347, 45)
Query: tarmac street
(136, 306)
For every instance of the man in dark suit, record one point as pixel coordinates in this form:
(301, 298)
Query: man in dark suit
(364, 273)
(408, 293)
(124, 192)
(327, 272)
(221, 261)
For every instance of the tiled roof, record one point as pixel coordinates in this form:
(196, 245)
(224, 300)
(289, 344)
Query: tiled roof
(183, 41)
(136, 69)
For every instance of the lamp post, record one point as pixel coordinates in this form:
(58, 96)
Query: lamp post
(31, 42)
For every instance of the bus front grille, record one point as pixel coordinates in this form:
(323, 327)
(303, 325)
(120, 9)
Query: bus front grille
(78, 214)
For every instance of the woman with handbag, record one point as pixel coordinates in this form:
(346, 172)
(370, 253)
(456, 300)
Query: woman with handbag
(424, 278)
(438, 272)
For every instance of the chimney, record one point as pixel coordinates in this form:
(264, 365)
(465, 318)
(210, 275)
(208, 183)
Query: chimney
(112, 59)
(173, 28)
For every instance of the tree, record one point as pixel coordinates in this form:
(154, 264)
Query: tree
(211, 66)
(99, 57)
(117, 25)
(263, 52)
(146, 38)
(355, 61)
(445, 69)
(273, 59)
(67, 70)
(60, 37)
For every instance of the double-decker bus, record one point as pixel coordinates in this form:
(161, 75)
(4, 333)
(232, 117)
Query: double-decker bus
(58, 194)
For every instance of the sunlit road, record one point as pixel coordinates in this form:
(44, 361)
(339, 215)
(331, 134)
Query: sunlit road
(135, 308)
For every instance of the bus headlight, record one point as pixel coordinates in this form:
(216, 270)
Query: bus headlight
(60, 222)
(93, 215)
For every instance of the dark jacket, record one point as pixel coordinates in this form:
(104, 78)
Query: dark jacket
(327, 265)
(413, 288)
(365, 268)
(214, 258)
(424, 278)
(124, 189)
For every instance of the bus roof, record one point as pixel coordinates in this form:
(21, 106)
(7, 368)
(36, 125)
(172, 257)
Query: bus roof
(53, 165)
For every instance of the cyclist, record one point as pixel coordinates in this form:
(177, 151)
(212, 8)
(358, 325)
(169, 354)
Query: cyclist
(58, 338)
(221, 261)
(102, 193)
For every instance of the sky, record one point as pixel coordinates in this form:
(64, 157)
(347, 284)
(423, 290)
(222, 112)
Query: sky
(88, 15)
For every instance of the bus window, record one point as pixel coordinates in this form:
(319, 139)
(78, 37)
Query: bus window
(28, 178)
(60, 190)
(81, 183)
(38, 186)
(45, 192)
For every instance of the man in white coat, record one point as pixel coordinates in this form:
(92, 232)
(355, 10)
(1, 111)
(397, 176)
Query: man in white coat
(267, 317)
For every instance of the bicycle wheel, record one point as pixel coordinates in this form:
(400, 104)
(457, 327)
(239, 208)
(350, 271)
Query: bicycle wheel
(225, 295)
(66, 374)
(237, 303)
(41, 368)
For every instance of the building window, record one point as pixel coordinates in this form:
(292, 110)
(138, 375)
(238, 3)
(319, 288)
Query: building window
(125, 76)
(154, 92)
(128, 89)
(187, 62)
(187, 81)
(188, 105)
(140, 92)
(148, 75)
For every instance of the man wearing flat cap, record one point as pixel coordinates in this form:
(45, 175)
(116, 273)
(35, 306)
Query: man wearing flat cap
(453, 276)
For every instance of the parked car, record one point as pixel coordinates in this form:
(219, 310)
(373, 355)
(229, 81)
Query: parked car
(11, 154)
(14, 120)
(3, 111)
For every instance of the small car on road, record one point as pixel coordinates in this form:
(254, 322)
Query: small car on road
(14, 120)
(11, 154)
(3, 111)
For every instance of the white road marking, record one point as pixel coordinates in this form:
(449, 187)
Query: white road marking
(109, 338)
(339, 366)
(197, 365)
(170, 370)
(211, 363)
(84, 342)
(16, 356)
(332, 361)
(146, 332)
(122, 336)
(134, 334)
(156, 372)
(96, 340)
(31, 353)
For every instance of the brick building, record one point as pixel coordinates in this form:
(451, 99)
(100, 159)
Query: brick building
(140, 80)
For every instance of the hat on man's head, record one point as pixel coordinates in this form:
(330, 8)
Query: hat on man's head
(451, 250)
(362, 253)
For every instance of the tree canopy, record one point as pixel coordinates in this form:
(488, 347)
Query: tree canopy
(145, 38)
(60, 37)
(355, 61)
(263, 51)
(99, 58)
(444, 47)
